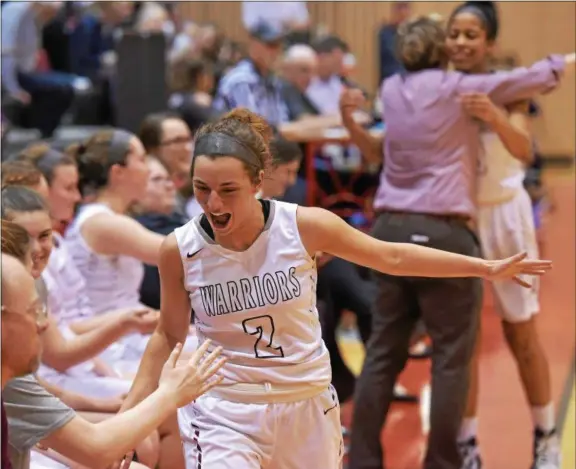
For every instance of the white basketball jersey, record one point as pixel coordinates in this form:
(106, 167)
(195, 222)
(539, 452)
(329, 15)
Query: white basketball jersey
(259, 304)
(501, 175)
(111, 282)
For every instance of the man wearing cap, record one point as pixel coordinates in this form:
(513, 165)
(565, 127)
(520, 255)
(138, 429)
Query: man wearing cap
(252, 83)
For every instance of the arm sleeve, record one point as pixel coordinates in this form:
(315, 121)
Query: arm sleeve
(518, 84)
(33, 413)
(10, 27)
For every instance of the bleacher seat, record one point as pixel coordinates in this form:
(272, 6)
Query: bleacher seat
(67, 135)
(16, 139)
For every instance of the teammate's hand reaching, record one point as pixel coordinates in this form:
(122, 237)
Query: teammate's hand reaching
(188, 381)
(513, 267)
(144, 320)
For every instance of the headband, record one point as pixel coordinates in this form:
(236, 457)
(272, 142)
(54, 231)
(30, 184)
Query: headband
(215, 144)
(119, 146)
(49, 160)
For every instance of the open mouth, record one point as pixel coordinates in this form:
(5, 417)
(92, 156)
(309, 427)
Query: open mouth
(220, 221)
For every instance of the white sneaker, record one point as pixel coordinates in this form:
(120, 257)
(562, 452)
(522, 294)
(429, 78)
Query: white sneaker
(470, 454)
(546, 450)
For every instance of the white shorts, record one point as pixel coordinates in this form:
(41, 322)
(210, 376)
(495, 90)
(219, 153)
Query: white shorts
(220, 434)
(506, 229)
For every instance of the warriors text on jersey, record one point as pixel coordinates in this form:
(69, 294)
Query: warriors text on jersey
(258, 304)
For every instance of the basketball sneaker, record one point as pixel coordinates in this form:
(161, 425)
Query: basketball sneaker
(546, 450)
(470, 454)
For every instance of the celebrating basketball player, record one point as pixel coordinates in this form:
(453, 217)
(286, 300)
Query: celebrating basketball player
(246, 269)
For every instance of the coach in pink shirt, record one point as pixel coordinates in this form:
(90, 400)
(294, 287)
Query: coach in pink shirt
(427, 196)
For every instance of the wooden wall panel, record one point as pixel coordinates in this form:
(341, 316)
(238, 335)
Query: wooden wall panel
(532, 29)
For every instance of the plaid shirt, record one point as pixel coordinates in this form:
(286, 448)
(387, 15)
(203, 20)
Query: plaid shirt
(243, 86)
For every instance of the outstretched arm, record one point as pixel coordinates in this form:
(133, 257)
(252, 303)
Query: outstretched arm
(321, 230)
(99, 444)
(521, 83)
(173, 325)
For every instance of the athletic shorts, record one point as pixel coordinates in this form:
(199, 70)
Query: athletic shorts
(506, 229)
(221, 434)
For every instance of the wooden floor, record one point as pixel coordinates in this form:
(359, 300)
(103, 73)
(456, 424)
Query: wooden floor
(505, 431)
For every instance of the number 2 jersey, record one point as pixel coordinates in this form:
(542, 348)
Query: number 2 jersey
(258, 304)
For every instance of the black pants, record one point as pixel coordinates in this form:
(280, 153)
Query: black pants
(52, 94)
(340, 287)
(450, 310)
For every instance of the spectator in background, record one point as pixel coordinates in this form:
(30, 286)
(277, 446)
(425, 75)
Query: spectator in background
(56, 36)
(252, 84)
(286, 159)
(168, 138)
(92, 38)
(49, 94)
(298, 69)
(153, 17)
(192, 86)
(327, 84)
(389, 63)
(157, 212)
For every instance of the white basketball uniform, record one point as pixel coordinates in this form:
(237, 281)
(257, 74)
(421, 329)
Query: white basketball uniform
(506, 225)
(275, 408)
(68, 303)
(112, 282)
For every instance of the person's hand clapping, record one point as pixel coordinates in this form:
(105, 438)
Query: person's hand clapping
(351, 99)
(188, 381)
(512, 267)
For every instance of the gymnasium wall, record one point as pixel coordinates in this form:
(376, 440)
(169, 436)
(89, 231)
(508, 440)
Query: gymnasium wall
(531, 29)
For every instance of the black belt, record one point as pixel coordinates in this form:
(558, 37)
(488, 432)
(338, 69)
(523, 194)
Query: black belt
(450, 217)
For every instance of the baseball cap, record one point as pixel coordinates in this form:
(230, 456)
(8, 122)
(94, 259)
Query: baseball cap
(266, 33)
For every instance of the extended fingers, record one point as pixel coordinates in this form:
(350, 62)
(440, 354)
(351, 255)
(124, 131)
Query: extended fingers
(212, 356)
(127, 461)
(210, 371)
(173, 359)
(199, 353)
(536, 264)
(210, 384)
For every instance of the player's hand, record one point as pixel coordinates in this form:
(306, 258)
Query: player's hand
(188, 381)
(513, 267)
(480, 106)
(142, 320)
(351, 99)
(124, 464)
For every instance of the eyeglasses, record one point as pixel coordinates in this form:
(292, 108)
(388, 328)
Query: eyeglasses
(38, 311)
